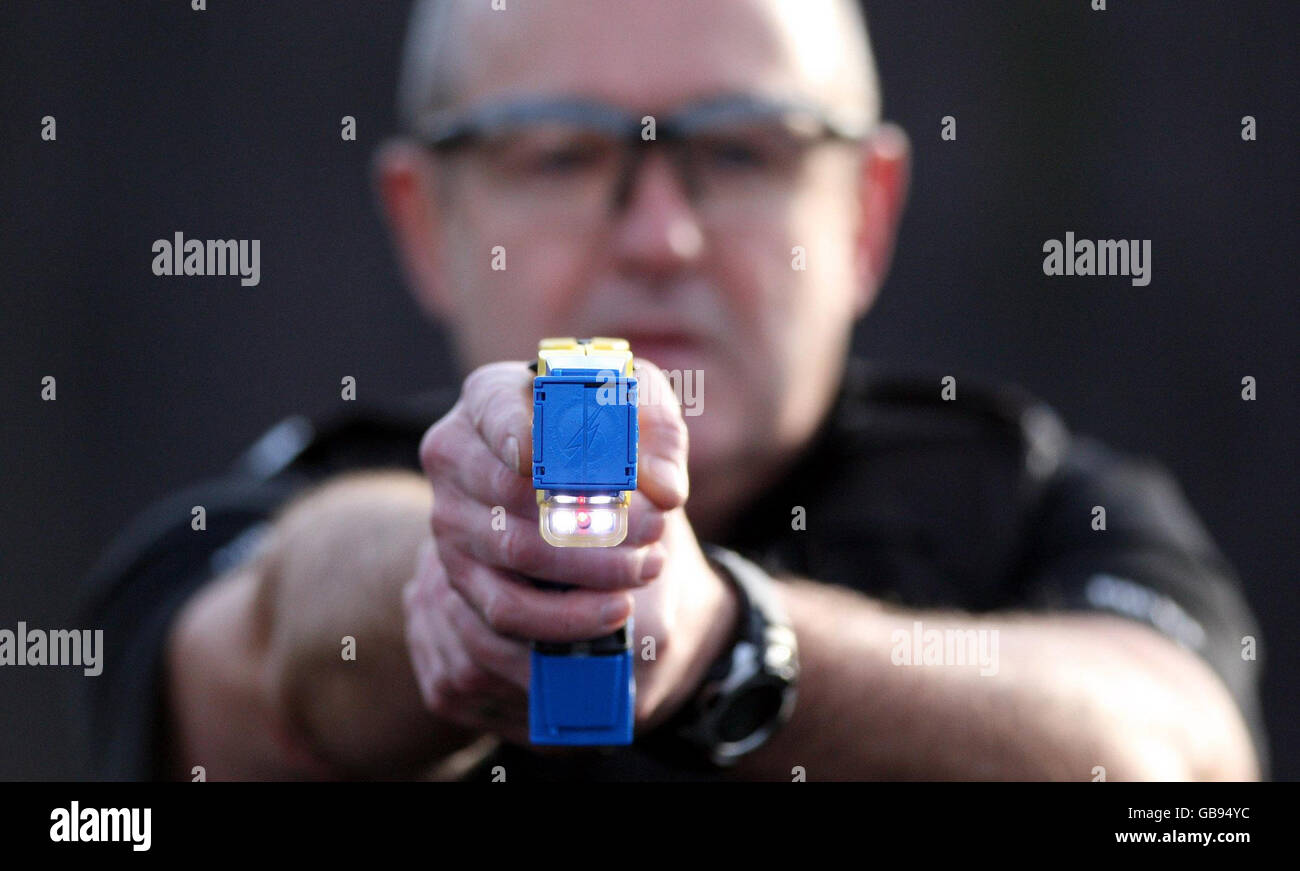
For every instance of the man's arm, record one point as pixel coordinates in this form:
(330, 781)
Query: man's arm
(257, 683)
(1070, 692)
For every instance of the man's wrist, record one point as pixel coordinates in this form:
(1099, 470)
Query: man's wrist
(721, 630)
(724, 628)
(748, 692)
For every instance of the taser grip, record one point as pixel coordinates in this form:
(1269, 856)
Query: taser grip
(582, 692)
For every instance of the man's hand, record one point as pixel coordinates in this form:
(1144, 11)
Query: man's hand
(470, 611)
(257, 686)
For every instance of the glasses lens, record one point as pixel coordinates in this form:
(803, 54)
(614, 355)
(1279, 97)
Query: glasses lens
(552, 171)
(550, 153)
(742, 169)
(564, 176)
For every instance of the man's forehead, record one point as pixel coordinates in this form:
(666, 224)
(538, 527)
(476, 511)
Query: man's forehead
(661, 54)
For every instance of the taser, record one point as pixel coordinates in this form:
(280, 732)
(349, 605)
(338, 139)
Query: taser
(584, 471)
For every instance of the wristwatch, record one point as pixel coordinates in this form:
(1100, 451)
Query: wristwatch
(749, 691)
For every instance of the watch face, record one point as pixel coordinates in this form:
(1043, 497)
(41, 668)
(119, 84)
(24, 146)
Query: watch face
(751, 710)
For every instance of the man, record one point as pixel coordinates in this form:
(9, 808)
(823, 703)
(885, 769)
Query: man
(651, 171)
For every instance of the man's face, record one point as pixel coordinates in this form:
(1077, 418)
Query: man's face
(756, 298)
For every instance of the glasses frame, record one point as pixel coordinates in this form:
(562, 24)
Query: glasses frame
(447, 131)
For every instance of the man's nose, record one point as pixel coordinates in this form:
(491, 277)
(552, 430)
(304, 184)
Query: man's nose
(656, 229)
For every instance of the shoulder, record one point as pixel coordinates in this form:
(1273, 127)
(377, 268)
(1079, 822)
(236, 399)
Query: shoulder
(375, 435)
(968, 494)
(162, 543)
(982, 461)
(927, 480)
(933, 413)
(984, 499)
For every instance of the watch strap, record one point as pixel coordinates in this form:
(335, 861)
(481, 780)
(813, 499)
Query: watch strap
(763, 647)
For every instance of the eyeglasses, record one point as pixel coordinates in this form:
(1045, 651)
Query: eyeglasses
(572, 163)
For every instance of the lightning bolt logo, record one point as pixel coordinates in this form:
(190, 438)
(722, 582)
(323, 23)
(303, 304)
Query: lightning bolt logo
(582, 437)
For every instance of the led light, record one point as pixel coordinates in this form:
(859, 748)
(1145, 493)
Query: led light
(603, 521)
(583, 519)
(563, 521)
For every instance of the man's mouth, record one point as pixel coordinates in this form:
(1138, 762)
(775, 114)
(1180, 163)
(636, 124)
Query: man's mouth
(667, 349)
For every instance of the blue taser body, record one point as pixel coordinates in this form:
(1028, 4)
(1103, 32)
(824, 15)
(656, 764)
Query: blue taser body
(584, 471)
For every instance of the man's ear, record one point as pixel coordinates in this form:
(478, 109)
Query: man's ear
(404, 182)
(882, 189)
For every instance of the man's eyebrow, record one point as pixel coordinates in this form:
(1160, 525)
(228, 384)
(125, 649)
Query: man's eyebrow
(450, 123)
(447, 126)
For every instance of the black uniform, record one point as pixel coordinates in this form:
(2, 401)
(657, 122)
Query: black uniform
(980, 503)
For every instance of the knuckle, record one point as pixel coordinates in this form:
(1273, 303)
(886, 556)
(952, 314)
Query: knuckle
(668, 396)
(501, 612)
(445, 691)
(458, 579)
(493, 657)
(433, 702)
(443, 517)
(419, 658)
(468, 680)
(427, 449)
(648, 526)
(662, 391)
(502, 479)
(436, 446)
(677, 437)
(457, 613)
(629, 566)
(416, 618)
(414, 595)
(574, 618)
(571, 623)
(617, 569)
(514, 547)
(475, 641)
(475, 380)
(442, 595)
(434, 582)
(476, 391)
(474, 636)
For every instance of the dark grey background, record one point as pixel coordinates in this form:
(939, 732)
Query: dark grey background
(225, 124)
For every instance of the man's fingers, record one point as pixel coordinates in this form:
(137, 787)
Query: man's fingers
(516, 609)
(495, 405)
(425, 659)
(480, 474)
(505, 657)
(663, 439)
(515, 545)
(499, 403)
(465, 673)
(486, 481)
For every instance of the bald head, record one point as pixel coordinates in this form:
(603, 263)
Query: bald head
(457, 51)
(698, 277)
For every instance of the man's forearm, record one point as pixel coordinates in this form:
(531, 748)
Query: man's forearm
(1062, 695)
(267, 646)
